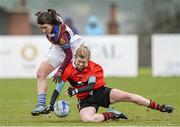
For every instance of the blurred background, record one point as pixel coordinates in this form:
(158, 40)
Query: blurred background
(112, 17)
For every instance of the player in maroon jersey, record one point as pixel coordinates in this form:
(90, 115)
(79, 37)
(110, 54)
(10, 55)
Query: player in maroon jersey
(64, 45)
(87, 83)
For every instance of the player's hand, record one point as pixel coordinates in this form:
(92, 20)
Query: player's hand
(71, 91)
(57, 77)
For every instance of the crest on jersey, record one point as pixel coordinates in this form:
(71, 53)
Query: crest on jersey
(62, 41)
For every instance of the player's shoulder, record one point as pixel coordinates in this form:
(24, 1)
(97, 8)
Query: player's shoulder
(91, 62)
(65, 28)
(69, 67)
(94, 64)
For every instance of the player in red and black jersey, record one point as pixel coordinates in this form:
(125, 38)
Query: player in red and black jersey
(64, 45)
(81, 79)
(87, 83)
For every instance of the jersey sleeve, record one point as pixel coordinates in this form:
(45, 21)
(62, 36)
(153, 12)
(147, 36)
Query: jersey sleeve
(64, 42)
(67, 59)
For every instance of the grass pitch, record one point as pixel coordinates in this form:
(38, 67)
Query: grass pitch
(18, 97)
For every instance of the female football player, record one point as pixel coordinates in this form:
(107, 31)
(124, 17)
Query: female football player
(64, 45)
(87, 83)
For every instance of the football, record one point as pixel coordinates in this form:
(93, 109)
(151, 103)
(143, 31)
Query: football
(61, 108)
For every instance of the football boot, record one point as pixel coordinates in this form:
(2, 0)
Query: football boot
(166, 108)
(117, 114)
(38, 110)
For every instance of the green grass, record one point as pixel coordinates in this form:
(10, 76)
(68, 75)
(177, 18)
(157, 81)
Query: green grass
(18, 98)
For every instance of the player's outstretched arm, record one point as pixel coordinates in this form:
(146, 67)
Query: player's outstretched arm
(91, 82)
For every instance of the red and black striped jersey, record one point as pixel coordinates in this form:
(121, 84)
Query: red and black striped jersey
(81, 77)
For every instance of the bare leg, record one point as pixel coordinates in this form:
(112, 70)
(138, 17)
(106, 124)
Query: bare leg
(43, 71)
(89, 114)
(119, 95)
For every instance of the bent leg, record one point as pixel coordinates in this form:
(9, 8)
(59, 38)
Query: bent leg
(43, 71)
(89, 114)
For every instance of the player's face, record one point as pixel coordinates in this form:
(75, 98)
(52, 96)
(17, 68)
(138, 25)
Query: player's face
(46, 28)
(80, 63)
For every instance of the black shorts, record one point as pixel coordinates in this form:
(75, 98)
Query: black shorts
(99, 98)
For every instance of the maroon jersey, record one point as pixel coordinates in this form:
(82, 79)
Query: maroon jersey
(61, 35)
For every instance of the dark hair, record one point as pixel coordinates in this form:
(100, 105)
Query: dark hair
(48, 17)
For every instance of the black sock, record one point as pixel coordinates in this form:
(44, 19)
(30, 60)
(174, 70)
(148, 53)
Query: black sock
(54, 97)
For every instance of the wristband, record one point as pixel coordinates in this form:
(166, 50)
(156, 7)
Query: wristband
(92, 79)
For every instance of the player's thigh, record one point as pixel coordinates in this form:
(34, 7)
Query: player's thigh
(87, 113)
(51, 61)
(45, 69)
(117, 95)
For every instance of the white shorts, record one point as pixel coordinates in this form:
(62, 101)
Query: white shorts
(56, 55)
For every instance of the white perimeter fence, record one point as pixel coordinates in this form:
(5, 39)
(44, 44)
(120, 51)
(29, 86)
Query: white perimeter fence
(21, 55)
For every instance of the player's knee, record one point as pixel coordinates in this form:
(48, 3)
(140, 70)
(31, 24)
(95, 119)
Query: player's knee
(96, 118)
(90, 119)
(127, 96)
(40, 75)
(86, 119)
